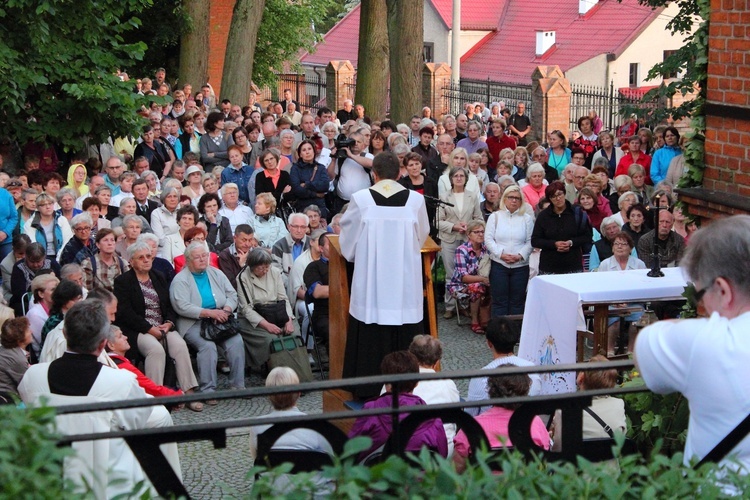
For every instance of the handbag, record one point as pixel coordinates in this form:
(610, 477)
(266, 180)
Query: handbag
(170, 367)
(219, 332)
(273, 312)
(485, 264)
(288, 350)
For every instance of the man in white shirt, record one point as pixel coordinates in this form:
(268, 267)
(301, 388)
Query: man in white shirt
(705, 359)
(502, 336)
(354, 172)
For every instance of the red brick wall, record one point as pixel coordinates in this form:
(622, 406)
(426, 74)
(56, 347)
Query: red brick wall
(221, 18)
(728, 139)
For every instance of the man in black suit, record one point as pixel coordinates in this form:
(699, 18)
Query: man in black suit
(288, 100)
(143, 206)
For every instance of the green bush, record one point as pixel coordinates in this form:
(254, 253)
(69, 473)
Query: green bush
(30, 461)
(656, 421)
(659, 476)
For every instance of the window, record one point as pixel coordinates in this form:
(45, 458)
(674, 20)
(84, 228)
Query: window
(633, 75)
(428, 52)
(672, 74)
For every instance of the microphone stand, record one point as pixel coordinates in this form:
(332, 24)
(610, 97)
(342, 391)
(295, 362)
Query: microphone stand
(655, 271)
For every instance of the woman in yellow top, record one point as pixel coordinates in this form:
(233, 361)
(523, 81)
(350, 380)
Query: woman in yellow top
(77, 179)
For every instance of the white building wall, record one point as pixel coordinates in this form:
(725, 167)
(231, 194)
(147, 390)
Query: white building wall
(437, 33)
(591, 72)
(647, 50)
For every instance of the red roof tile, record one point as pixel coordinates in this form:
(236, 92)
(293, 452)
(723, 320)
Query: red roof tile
(340, 43)
(509, 53)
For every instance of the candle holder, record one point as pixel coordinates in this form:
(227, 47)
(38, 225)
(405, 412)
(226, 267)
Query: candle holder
(655, 271)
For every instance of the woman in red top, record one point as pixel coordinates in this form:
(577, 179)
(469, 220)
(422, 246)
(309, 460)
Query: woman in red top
(498, 142)
(635, 156)
(117, 347)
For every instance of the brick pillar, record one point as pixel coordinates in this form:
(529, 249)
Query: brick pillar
(550, 102)
(435, 78)
(339, 76)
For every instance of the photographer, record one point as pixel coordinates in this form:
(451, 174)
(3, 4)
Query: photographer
(351, 170)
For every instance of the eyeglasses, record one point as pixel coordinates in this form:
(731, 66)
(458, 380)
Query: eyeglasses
(298, 227)
(620, 244)
(696, 299)
(478, 231)
(514, 198)
(82, 229)
(558, 194)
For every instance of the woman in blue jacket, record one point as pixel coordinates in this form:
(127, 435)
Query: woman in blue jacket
(663, 156)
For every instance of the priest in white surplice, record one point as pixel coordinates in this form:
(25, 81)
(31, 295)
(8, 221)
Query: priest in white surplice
(382, 232)
(107, 465)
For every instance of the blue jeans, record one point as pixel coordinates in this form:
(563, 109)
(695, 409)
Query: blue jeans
(508, 289)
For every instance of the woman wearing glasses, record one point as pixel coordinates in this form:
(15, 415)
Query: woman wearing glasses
(466, 283)
(453, 219)
(561, 231)
(47, 228)
(508, 239)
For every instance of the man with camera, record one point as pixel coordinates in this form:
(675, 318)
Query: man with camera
(351, 170)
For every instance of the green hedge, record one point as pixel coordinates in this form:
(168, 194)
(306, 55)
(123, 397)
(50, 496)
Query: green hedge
(659, 477)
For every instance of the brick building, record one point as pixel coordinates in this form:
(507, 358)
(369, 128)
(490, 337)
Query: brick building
(726, 183)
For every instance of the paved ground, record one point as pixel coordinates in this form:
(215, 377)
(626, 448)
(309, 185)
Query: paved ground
(210, 473)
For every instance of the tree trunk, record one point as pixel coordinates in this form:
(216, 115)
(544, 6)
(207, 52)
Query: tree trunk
(405, 37)
(372, 57)
(238, 61)
(194, 45)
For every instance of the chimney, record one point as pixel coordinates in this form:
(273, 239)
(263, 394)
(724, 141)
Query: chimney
(544, 41)
(585, 5)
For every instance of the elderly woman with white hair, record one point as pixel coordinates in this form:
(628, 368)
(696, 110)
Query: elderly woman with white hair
(147, 319)
(200, 295)
(164, 218)
(66, 198)
(602, 248)
(264, 310)
(533, 188)
(624, 202)
(128, 206)
(232, 209)
(285, 405)
(620, 185)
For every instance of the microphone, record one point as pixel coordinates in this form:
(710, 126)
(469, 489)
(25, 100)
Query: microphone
(438, 201)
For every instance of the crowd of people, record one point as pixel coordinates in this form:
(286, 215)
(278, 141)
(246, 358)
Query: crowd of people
(220, 214)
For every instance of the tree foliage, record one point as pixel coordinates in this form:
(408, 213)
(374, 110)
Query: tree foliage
(691, 62)
(287, 29)
(58, 69)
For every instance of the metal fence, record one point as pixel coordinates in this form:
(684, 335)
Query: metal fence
(608, 103)
(487, 92)
(309, 89)
(144, 443)
(351, 91)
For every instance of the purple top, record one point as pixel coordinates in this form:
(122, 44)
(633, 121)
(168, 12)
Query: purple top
(431, 433)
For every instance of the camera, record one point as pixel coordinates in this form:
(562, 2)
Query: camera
(340, 143)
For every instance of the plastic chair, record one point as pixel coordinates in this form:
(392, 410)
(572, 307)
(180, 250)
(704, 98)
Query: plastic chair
(26, 300)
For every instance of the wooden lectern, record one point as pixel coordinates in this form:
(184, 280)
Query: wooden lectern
(338, 306)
